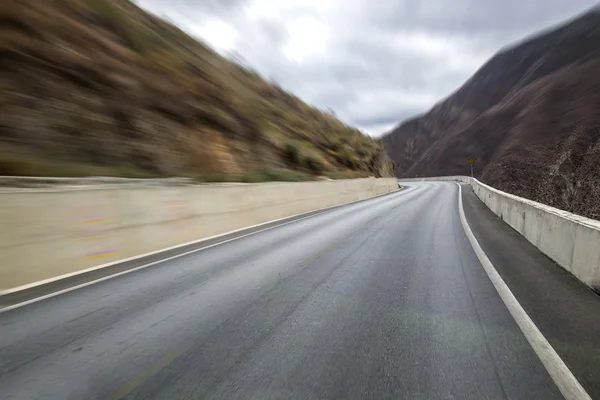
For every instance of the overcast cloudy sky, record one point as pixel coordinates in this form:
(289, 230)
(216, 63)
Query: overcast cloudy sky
(374, 62)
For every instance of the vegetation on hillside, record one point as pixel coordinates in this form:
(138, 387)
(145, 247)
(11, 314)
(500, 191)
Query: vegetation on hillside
(101, 86)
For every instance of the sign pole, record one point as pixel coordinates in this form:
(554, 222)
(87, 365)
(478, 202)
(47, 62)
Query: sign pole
(471, 161)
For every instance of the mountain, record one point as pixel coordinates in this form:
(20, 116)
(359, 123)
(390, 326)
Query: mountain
(530, 116)
(101, 87)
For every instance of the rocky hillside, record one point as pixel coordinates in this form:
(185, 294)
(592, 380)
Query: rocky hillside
(530, 116)
(102, 87)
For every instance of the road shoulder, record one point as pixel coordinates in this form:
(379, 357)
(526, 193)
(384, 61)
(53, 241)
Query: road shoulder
(563, 308)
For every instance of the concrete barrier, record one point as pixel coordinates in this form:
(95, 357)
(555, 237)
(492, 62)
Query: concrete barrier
(50, 232)
(571, 240)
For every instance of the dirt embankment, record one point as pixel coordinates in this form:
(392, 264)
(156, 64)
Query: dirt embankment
(100, 87)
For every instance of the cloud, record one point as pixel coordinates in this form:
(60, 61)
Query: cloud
(373, 63)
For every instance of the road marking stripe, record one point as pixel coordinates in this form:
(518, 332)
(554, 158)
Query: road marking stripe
(197, 241)
(72, 288)
(566, 382)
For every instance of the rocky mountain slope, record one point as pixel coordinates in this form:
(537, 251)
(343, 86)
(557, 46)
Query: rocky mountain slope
(530, 116)
(101, 87)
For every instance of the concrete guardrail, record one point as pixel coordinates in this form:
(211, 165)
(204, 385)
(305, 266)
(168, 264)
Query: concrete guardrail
(571, 240)
(62, 230)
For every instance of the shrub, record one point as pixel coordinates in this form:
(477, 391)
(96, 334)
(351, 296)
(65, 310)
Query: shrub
(348, 174)
(12, 165)
(275, 176)
(22, 165)
(346, 159)
(133, 35)
(313, 164)
(291, 155)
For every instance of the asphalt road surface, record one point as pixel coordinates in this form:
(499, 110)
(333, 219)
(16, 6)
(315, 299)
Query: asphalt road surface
(382, 299)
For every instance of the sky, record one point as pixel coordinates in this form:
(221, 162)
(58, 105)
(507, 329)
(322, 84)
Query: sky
(374, 63)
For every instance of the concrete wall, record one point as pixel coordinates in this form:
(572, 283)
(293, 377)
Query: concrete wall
(572, 241)
(55, 231)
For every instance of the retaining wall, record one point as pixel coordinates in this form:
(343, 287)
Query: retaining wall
(49, 232)
(571, 240)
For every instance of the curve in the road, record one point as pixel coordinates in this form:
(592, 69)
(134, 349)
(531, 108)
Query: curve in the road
(556, 367)
(380, 299)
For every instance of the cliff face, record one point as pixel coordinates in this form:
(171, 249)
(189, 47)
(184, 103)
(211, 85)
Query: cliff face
(102, 87)
(530, 118)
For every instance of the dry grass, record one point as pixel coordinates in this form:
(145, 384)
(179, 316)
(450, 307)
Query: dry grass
(169, 104)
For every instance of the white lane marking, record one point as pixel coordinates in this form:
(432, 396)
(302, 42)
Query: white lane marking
(72, 288)
(566, 382)
(198, 241)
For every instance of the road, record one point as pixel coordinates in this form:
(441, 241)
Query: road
(382, 299)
